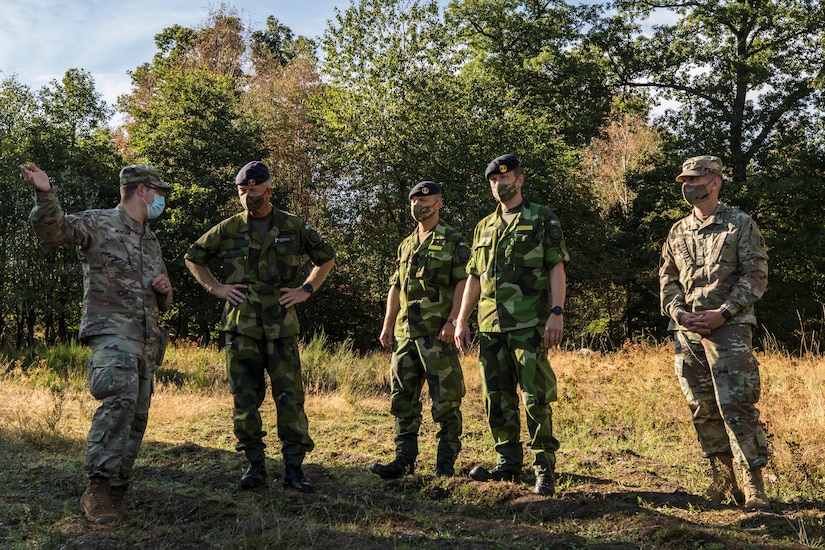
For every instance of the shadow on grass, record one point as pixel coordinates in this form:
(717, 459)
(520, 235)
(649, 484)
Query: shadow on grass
(185, 496)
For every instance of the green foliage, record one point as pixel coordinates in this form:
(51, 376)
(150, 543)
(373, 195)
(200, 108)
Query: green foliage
(739, 70)
(336, 368)
(404, 90)
(61, 129)
(189, 122)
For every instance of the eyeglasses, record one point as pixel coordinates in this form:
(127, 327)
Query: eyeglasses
(159, 190)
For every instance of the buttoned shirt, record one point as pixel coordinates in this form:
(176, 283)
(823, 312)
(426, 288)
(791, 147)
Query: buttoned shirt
(513, 263)
(120, 258)
(718, 262)
(265, 264)
(427, 275)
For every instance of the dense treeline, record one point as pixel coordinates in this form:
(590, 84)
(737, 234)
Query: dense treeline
(601, 103)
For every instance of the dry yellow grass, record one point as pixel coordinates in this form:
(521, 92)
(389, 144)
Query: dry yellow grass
(623, 425)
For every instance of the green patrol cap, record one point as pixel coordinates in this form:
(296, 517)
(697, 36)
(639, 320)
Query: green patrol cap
(140, 173)
(699, 166)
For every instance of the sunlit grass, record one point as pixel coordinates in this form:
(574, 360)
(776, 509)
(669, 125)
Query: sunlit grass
(620, 418)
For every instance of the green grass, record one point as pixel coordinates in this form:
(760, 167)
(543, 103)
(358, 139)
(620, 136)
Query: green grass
(630, 472)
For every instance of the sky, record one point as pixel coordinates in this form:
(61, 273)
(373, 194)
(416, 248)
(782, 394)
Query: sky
(41, 39)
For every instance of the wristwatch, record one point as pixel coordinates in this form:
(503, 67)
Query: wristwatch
(725, 313)
(307, 288)
(557, 310)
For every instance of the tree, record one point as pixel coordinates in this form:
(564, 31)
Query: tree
(738, 69)
(537, 53)
(63, 129)
(745, 78)
(187, 119)
(393, 113)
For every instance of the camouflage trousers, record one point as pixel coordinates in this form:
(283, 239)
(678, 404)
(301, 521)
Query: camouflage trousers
(508, 359)
(414, 361)
(247, 361)
(719, 377)
(121, 376)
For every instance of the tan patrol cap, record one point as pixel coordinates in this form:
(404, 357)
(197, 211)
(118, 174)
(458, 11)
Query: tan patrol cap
(699, 166)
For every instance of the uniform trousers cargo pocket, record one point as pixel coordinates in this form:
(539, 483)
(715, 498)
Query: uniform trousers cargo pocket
(111, 372)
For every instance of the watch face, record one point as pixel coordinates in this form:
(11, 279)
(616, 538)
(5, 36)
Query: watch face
(308, 288)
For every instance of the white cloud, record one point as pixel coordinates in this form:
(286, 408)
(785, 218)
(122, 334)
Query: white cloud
(41, 39)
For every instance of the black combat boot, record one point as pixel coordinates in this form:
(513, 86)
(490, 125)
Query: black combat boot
(444, 469)
(394, 470)
(545, 485)
(255, 476)
(294, 478)
(479, 473)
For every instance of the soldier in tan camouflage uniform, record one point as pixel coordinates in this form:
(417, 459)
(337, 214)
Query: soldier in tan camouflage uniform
(714, 268)
(422, 304)
(517, 278)
(261, 250)
(125, 285)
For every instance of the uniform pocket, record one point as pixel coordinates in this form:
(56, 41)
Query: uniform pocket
(527, 251)
(115, 254)
(111, 372)
(745, 382)
(285, 263)
(439, 268)
(234, 264)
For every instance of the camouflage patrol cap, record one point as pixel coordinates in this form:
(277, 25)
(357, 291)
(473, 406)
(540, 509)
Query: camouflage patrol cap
(699, 166)
(253, 173)
(140, 173)
(424, 189)
(502, 165)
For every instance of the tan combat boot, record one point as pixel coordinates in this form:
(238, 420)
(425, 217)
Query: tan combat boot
(723, 484)
(97, 503)
(117, 494)
(755, 498)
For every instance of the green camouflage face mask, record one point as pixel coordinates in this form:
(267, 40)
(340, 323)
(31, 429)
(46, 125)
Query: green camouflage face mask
(504, 192)
(253, 203)
(695, 194)
(421, 213)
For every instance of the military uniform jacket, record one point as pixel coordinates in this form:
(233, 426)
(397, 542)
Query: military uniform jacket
(718, 262)
(120, 257)
(513, 263)
(265, 266)
(427, 275)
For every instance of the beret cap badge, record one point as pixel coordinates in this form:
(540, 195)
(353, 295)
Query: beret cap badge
(253, 173)
(502, 168)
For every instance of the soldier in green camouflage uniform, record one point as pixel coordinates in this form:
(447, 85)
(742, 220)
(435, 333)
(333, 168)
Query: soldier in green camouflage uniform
(714, 268)
(125, 286)
(516, 269)
(422, 304)
(261, 250)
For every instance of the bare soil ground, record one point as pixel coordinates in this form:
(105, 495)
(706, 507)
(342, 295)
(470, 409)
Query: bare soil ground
(188, 499)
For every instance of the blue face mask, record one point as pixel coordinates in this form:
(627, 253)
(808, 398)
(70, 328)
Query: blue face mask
(156, 208)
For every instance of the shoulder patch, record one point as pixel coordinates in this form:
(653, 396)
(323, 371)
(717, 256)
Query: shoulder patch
(313, 236)
(555, 233)
(463, 251)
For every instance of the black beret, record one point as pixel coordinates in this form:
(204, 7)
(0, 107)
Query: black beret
(253, 173)
(425, 188)
(502, 165)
